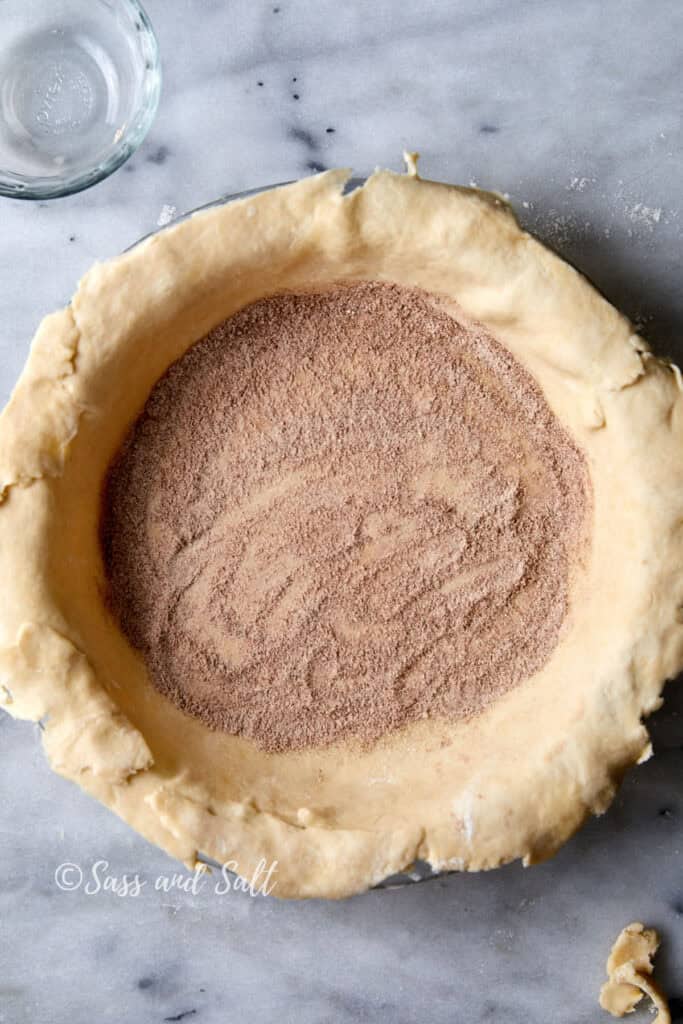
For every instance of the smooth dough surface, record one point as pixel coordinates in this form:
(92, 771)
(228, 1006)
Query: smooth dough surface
(513, 782)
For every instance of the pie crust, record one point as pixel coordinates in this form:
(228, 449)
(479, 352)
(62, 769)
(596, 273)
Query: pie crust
(513, 782)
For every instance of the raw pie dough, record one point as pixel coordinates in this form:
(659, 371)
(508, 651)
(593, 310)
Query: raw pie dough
(512, 782)
(629, 969)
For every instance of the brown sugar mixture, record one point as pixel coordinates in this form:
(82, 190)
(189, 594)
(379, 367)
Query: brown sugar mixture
(339, 513)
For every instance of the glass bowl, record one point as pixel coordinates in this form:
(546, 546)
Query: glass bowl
(79, 88)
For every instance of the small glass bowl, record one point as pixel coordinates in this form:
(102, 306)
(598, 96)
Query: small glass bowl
(79, 88)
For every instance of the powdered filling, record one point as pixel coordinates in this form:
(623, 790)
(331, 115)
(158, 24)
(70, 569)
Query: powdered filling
(339, 513)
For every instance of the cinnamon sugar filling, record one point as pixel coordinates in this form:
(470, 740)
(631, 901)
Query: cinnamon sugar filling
(339, 513)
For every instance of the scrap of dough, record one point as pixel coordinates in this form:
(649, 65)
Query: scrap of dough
(629, 968)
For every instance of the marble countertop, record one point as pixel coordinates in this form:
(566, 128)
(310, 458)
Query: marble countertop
(574, 110)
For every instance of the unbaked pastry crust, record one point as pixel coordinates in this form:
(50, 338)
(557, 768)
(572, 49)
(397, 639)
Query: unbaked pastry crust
(514, 782)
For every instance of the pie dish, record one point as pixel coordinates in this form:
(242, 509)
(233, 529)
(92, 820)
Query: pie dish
(515, 775)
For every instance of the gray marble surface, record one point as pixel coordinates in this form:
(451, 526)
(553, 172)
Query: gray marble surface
(574, 110)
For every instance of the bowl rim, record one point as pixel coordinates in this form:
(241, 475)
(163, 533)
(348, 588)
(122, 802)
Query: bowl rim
(355, 181)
